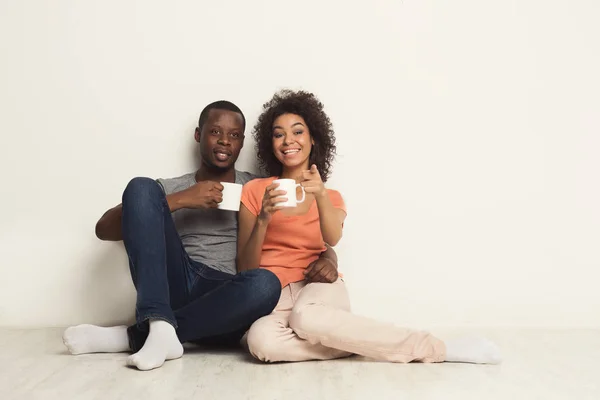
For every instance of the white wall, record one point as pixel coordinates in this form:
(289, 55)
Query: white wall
(469, 135)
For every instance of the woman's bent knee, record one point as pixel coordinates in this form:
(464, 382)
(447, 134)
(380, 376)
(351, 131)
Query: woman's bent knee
(307, 322)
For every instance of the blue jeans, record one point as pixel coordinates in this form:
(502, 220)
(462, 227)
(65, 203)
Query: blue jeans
(203, 304)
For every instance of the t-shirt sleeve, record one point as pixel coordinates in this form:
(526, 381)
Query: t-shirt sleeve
(251, 196)
(337, 200)
(162, 185)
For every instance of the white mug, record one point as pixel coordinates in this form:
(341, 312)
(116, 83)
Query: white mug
(289, 186)
(232, 195)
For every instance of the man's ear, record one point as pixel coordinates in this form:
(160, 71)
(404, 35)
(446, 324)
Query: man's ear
(197, 135)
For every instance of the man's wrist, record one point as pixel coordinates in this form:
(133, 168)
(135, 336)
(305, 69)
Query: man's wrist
(177, 201)
(331, 260)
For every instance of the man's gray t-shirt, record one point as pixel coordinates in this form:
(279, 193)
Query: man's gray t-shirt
(209, 235)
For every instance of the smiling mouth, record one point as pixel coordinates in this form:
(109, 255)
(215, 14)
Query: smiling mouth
(222, 156)
(291, 152)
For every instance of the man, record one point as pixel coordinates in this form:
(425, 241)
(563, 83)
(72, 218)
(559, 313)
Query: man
(182, 252)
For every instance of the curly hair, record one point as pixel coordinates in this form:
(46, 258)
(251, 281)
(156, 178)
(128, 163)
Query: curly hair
(307, 106)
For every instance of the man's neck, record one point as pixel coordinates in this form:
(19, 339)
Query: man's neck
(212, 174)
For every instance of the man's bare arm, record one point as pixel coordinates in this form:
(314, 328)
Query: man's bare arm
(324, 269)
(108, 226)
(330, 254)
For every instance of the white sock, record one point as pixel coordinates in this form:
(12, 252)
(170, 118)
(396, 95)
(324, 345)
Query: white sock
(162, 344)
(83, 339)
(472, 350)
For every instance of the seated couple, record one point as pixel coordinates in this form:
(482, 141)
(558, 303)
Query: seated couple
(282, 288)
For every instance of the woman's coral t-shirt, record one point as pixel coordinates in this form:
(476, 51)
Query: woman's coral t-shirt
(291, 242)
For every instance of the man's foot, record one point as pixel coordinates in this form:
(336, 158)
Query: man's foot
(472, 350)
(82, 339)
(162, 344)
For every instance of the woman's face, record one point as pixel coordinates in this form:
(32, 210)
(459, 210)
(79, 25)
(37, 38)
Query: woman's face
(292, 142)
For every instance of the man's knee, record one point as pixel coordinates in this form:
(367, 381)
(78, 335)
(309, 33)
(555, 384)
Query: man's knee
(140, 190)
(264, 289)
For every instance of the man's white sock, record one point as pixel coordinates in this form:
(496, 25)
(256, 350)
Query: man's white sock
(82, 339)
(162, 344)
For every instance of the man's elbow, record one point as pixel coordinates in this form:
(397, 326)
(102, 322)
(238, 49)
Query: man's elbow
(100, 234)
(104, 232)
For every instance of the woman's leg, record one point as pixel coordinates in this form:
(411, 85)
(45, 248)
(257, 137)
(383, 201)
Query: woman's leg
(270, 339)
(322, 315)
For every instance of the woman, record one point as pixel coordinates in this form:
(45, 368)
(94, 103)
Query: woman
(295, 139)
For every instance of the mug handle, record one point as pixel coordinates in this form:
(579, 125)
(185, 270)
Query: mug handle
(303, 193)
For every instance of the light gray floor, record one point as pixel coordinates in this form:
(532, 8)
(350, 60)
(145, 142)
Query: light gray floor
(542, 364)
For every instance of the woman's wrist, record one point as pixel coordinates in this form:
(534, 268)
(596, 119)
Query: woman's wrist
(321, 195)
(263, 219)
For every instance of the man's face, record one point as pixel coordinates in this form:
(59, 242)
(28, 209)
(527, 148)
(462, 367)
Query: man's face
(221, 138)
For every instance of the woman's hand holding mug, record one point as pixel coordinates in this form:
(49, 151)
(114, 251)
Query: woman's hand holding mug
(270, 202)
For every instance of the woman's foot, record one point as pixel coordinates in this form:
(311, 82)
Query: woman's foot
(162, 344)
(472, 350)
(82, 339)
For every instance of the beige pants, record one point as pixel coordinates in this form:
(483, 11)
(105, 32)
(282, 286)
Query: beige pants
(313, 322)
